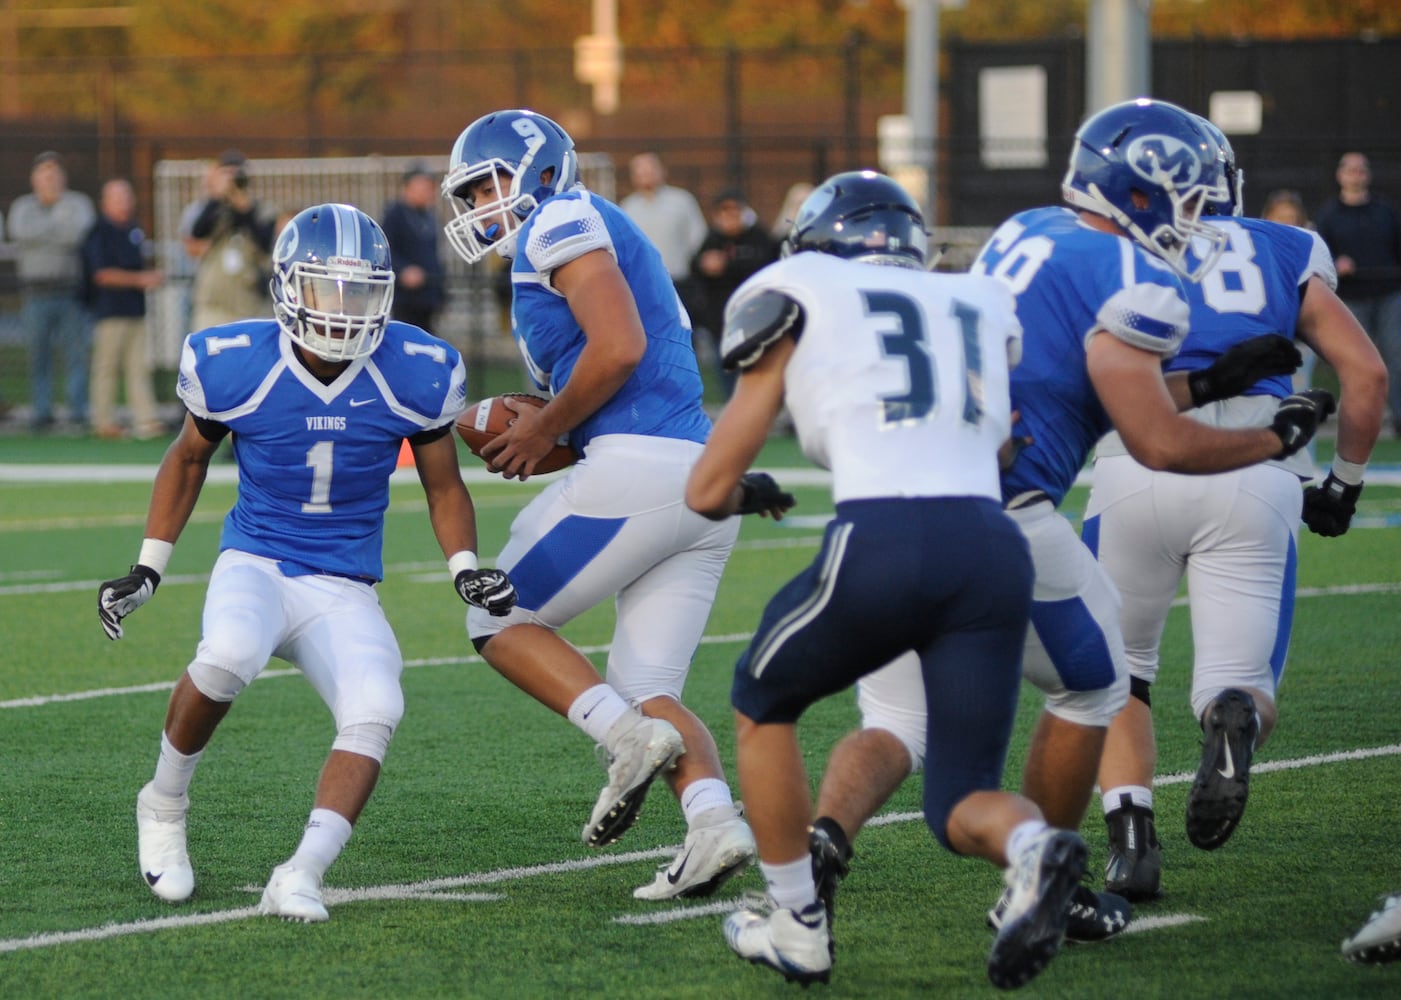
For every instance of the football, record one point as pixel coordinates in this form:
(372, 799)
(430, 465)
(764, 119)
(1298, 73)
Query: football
(485, 420)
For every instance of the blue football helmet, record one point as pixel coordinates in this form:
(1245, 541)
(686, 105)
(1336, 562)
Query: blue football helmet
(1150, 167)
(1235, 176)
(861, 215)
(514, 160)
(332, 282)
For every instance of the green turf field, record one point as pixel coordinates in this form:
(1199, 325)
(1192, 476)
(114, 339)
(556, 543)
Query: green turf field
(466, 876)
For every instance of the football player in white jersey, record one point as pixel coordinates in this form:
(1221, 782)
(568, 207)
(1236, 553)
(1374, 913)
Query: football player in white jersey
(897, 381)
(600, 327)
(1234, 534)
(319, 402)
(1099, 294)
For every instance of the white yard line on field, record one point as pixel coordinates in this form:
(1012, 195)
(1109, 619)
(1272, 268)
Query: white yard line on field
(35, 701)
(445, 889)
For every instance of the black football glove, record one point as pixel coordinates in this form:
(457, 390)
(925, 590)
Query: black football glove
(1242, 365)
(1328, 509)
(1299, 416)
(488, 589)
(118, 598)
(759, 494)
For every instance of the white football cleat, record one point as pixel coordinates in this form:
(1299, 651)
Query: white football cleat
(719, 846)
(160, 845)
(293, 894)
(1379, 939)
(795, 944)
(1042, 880)
(636, 757)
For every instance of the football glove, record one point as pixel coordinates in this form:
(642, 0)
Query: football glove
(488, 589)
(1242, 365)
(118, 598)
(759, 494)
(1299, 416)
(1328, 509)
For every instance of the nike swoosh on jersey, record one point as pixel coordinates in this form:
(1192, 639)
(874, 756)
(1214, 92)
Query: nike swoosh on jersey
(361, 402)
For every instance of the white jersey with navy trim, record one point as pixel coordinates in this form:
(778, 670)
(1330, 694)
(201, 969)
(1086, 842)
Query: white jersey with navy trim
(662, 397)
(314, 459)
(1070, 281)
(899, 382)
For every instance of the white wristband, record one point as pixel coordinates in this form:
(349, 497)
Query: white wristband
(1348, 472)
(155, 553)
(459, 561)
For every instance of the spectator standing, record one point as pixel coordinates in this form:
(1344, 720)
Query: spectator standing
(411, 225)
(735, 247)
(1364, 234)
(114, 260)
(47, 226)
(670, 218)
(231, 278)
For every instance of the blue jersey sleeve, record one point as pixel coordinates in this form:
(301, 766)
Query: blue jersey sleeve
(662, 397)
(1072, 282)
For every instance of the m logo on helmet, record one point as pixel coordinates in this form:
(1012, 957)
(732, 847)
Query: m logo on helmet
(1164, 161)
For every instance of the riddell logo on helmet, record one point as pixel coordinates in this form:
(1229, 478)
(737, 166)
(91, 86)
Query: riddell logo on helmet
(1164, 160)
(355, 262)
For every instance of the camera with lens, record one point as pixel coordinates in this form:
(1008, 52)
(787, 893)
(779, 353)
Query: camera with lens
(240, 178)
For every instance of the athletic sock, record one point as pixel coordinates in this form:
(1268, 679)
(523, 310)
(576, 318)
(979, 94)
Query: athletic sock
(596, 710)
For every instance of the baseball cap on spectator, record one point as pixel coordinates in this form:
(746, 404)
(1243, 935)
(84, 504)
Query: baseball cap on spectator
(47, 156)
(232, 158)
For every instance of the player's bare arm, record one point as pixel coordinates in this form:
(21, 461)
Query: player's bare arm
(1329, 327)
(178, 482)
(1130, 384)
(450, 508)
(602, 303)
(740, 431)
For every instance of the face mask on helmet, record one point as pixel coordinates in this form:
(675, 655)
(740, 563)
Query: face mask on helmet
(502, 166)
(861, 215)
(1234, 175)
(332, 284)
(1151, 168)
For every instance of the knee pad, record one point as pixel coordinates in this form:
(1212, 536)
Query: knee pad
(1090, 708)
(215, 683)
(1142, 690)
(368, 739)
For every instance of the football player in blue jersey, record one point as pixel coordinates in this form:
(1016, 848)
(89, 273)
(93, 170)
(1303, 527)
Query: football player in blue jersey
(1234, 534)
(601, 329)
(898, 382)
(1098, 284)
(319, 401)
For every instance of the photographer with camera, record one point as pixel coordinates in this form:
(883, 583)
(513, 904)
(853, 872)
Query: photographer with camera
(231, 280)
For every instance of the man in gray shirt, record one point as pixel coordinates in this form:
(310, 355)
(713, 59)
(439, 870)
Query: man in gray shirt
(670, 218)
(48, 227)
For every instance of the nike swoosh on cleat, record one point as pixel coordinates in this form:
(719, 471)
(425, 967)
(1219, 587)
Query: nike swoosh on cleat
(1229, 771)
(674, 876)
(153, 879)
